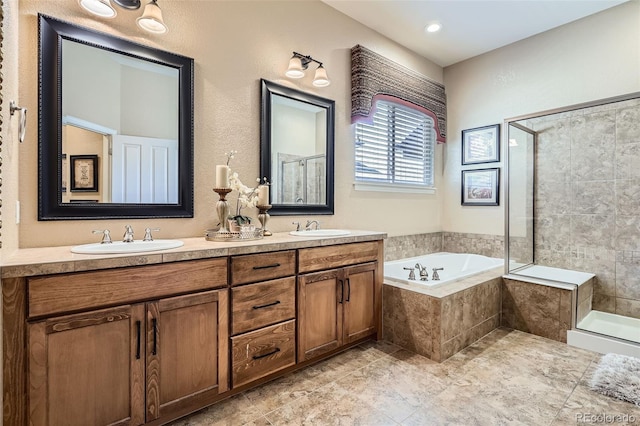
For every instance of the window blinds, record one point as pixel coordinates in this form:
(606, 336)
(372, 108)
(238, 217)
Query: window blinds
(397, 148)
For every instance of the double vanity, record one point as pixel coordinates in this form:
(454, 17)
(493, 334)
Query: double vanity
(145, 338)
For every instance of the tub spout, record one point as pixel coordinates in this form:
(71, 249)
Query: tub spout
(424, 275)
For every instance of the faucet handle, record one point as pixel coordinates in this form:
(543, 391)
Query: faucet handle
(412, 273)
(297, 224)
(434, 275)
(106, 235)
(147, 234)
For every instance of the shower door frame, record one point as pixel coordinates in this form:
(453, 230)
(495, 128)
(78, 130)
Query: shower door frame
(507, 124)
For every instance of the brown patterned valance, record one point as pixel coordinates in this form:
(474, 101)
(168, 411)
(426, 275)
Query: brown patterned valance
(375, 77)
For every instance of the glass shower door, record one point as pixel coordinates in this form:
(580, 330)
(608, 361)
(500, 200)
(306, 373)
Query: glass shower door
(520, 193)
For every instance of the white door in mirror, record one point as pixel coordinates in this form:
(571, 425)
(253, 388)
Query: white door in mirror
(320, 233)
(121, 247)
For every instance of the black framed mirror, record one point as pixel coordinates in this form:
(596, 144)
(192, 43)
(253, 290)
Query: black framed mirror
(297, 150)
(127, 107)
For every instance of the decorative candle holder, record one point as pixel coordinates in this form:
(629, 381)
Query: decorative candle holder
(222, 207)
(263, 217)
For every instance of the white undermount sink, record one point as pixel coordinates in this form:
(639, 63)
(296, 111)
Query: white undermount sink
(121, 247)
(320, 233)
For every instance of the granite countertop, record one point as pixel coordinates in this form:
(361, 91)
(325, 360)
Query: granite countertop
(56, 260)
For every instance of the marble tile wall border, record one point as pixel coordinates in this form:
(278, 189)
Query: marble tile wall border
(403, 246)
(483, 244)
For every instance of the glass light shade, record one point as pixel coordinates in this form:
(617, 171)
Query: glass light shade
(101, 8)
(295, 69)
(321, 79)
(151, 19)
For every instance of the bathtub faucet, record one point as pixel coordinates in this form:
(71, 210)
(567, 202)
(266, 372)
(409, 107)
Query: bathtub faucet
(435, 275)
(412, 273)
(424, 275)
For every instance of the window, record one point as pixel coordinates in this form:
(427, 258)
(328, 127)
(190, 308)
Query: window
(396, 150)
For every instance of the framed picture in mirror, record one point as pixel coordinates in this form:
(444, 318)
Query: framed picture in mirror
(84, 173)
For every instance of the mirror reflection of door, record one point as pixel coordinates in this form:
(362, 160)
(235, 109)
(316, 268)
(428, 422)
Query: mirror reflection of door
(298, 143)
(131, 169)
(128, 114)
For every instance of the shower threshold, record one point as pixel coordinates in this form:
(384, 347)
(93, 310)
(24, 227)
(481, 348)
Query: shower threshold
(604, 332)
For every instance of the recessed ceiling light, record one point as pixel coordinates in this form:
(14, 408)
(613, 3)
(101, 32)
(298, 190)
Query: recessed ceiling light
(433, 27)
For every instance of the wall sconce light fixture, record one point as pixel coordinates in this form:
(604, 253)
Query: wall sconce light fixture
(299, 63)
(151, 19)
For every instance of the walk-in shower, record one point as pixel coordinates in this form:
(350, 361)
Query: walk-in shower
(573, 202)
(301, 179)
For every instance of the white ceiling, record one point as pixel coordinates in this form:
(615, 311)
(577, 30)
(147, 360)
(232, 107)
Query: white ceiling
(469, 27)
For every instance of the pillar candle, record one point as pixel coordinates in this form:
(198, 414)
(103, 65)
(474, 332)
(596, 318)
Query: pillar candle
(222, 176)
(263, 195)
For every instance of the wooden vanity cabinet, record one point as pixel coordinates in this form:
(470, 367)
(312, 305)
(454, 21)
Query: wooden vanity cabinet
(129, 364)
(337, 306)
(88, 368)
(263, 315)
(187, 352)
(149, 344)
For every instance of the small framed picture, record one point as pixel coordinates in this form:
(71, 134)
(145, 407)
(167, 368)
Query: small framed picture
(481, 145)
(84, 173)
(481, 187)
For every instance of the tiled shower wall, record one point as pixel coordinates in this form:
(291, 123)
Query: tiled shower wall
(587, 199)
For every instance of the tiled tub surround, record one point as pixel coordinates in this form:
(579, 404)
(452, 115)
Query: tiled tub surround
(587, 199)
(544, 302)
(403, 246)
(439, 322)
(484, 244)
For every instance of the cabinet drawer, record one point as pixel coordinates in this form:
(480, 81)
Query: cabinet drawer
(252, 268)
(256, 305)
(319, 258)
(84, 290)
(259, 353)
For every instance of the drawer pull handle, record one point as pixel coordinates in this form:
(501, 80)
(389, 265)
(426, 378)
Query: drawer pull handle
(277, 302)
(341, 291)
(154, 324)
(274, 265)
(138, 324)
(275, 351)
(348, 289)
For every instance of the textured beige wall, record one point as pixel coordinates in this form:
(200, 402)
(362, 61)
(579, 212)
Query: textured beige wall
(9, 128)
(593, 58)
(234, 44)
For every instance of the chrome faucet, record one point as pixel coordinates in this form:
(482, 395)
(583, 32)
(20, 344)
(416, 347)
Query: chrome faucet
(128, 234)
(412, 272)
(424, 275)
(435, 275)
(106, 235)
(307, 227)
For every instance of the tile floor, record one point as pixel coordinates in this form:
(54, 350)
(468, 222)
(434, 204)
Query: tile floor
(506, 378)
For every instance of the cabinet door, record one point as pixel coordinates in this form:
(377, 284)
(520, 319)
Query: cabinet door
(88, 369)
(187, 351)
(359, 302)
(320, 299)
